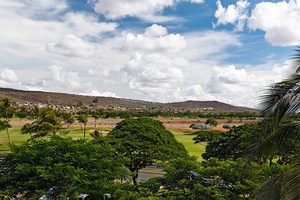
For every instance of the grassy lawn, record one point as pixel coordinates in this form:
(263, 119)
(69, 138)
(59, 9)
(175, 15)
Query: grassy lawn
(186, 139)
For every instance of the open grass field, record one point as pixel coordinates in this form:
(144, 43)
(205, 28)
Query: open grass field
(186, 139)
(180, 129)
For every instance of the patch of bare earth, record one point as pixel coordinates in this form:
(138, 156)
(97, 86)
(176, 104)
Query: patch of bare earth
(168, 123)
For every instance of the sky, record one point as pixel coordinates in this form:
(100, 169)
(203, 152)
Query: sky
(152, 50)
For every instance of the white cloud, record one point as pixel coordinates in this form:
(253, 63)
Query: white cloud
(67, 79)
(9, 75)
(71, 80)
(36, 8)
(233, 14)
(154, 39)
(280, 21)
(155, 31)
(203, 44)
(243, 86)
(34, 85)
(83, 24)
(197, 1)
(115, 9)
(71, 46)
(153, 70)
(193, 92)
(95, 92)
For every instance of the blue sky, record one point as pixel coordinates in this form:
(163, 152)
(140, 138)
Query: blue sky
(153, 50)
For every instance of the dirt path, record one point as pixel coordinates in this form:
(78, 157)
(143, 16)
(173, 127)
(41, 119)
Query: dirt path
(168, 123)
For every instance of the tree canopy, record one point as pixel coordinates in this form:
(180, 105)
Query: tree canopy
(144, 141)
(72, 166)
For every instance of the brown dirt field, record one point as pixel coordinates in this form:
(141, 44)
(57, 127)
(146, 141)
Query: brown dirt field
(168, 123)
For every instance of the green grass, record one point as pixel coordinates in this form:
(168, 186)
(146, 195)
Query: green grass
(183, 136)
(77, 132)
(187, 140)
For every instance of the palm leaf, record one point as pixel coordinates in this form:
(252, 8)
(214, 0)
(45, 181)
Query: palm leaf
(278, 105)
(291, 190)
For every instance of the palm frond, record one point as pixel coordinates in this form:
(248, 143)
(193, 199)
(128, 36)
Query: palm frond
(271, 189)
(291, 190)
(296, 59)
(280, 102)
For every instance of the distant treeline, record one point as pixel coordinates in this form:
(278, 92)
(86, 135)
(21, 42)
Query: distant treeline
(177, 114)
(23, 112)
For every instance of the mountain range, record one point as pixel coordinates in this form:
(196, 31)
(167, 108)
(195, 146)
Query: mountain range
(54, 98)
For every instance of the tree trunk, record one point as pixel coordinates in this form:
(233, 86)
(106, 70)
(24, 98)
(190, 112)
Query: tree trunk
(84, 131)
(134, 178)
(8, 136)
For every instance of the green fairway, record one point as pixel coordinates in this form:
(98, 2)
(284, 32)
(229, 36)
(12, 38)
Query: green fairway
(187, 140)
(181, 135)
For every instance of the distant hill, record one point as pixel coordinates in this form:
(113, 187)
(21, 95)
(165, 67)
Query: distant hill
(72, 99)
(215, 105)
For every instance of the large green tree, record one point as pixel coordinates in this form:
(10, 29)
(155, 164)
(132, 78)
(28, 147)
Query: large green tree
(72, 166)
(233, 144)
(144, 141)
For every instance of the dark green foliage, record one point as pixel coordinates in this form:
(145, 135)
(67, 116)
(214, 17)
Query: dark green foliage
(212, 121)
(280, 106)
(185, 178)
(143, 141)
(73, 166)
(208, 136)
(230, 145)
(46, 123)
(21, 113)
(67, 118)
(227, 126)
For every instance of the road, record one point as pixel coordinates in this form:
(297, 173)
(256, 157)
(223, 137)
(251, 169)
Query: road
(149, 172)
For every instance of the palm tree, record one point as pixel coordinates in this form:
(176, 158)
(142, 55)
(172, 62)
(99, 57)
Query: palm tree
(280, 106)
(46, 123)
(83, 118)
(5, 105)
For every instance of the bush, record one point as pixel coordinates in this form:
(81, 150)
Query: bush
(212, 122)
(200, 126)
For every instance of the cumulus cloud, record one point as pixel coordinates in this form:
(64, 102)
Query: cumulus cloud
(84, 24)
(96, 92)
(37, 8)
(34, 85)
(243, 86)
(9, 75)
(73, 81)
(71, 46)
(67, 79)
(233, 14)
(280, 21)
(192, 92)
(115, 9)
(155, 31)
(204, 44)
(154, 68)
(153, 74)
(154, 39)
